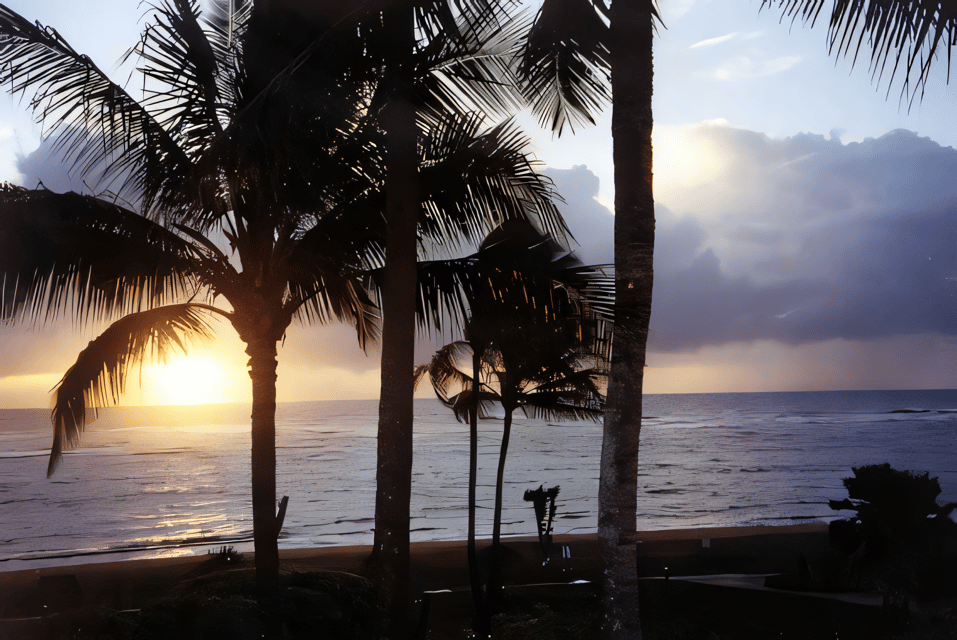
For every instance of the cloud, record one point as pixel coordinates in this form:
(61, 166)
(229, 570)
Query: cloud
(796, 241)
(591, 223)
(836, 241)
(46, 166)
(836, 258)
(753, 66)
(713, 41)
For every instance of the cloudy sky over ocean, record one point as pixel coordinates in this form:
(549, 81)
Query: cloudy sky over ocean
(807, 218)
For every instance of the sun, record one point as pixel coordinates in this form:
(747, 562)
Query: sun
(185, 380)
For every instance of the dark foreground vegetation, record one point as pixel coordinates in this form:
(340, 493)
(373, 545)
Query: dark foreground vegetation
(223, 605)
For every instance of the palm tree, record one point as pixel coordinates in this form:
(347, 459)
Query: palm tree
(194, 169)
(249, 183)
(432, 56)
(535, 317)
(575, 49)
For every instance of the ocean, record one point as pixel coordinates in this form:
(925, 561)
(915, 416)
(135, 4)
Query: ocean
(168, 481)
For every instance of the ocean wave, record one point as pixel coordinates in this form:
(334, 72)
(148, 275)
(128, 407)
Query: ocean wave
(25, 454)
(130, 548)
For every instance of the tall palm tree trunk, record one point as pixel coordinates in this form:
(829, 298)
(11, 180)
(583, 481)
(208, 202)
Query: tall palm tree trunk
(394, 462)
(632, 74)
(481, 626)
(495, 582)
(262, 371)
(500, 479)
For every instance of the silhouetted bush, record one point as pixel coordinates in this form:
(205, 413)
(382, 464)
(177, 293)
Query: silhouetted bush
(900, 539)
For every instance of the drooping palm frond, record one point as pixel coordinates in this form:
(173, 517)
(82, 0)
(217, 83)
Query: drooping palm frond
(541, 406)
(97, 125)
(897, 32)
(536, 333)
(514, 263)
(325, 296)
(518, 378)
(565, 63)
(98, 377)
(95, 259)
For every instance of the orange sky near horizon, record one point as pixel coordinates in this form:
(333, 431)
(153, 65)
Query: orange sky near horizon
(214, 375)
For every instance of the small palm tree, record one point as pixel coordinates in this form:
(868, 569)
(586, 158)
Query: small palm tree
(249, 185)
(548, 370)
(534, 317)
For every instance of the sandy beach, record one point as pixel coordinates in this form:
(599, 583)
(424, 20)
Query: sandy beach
(442, 565)
(436, 566)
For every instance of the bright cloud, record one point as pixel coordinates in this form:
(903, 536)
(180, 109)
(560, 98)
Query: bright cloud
(717, 40)
(751, 66)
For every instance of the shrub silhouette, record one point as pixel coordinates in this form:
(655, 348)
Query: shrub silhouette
(900, 539)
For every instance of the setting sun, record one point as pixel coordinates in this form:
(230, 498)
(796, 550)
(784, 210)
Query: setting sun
(194, 379)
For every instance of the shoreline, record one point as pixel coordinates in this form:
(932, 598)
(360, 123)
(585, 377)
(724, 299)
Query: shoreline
(443, 564)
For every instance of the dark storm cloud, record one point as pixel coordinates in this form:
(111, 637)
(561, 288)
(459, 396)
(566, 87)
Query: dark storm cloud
(806, 239)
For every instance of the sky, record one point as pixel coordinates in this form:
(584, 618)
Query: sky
(806, 222)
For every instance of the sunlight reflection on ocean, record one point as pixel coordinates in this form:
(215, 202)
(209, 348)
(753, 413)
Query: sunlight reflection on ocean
(162, 481)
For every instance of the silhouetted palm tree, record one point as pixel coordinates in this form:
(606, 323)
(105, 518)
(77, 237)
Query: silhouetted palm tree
(579, 54)
(537, 331)
(432, 56)
(251, 174)
(577, 49)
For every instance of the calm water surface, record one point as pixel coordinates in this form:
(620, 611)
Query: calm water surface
(151, 482)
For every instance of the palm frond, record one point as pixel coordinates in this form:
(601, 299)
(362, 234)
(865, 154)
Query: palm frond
(565, 64)
(552, 408)
(544, 348)
(68, 252)
(228, 21)
(438, 18)
(181, 75)
(446, 370)
(296, 155)
(473, 180)
(98, 126)
(897, 32)
(470, 66)
(98, 377)
(514, 262)
(329, 296)
(451, 382)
